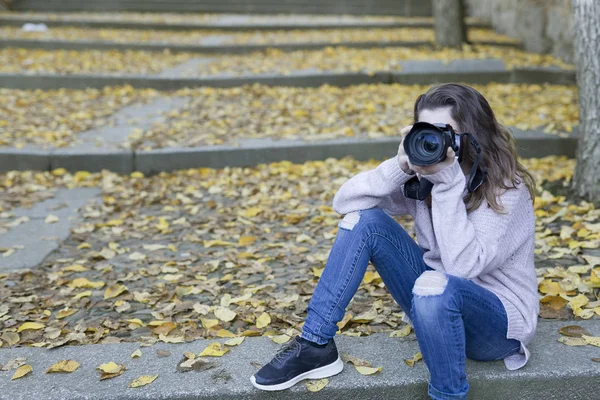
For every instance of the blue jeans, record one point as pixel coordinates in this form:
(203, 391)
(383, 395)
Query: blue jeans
(459, 320)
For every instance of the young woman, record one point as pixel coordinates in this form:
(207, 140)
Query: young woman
(468, 287)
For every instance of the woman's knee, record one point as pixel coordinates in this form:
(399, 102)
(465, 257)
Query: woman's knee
(430, 283)
(351, 220)
(432, 295)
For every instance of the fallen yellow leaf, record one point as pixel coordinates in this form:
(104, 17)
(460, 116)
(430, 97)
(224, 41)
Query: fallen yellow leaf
(367, 370)
(22, 371)
(136, 354)
(110, 367)
(224, 314)
(246, 240)
(142, 381)
(263, 320)
(51, 218)
(235, 341)
(171, 339)
(214, 350)
(316, 385)
(65, 312)
(84, 283)
(593, 340)
(113, 291)
(572, 341)
(208, 323)
(86, 293)
(10, 337)
(402, 332)
(63, 366)
(224, 333)
(30, 325)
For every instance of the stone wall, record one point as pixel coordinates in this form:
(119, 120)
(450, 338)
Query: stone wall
(544, 26)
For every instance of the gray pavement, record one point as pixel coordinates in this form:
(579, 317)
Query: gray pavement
(464, 66)
(35, 239)
(555, 371)
(183, 69)
(135, 116)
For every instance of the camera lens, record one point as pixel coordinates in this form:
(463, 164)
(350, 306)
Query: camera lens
(428, 143)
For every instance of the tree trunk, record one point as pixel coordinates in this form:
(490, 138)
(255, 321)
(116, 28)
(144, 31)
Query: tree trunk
(586, 180)
(450, 27)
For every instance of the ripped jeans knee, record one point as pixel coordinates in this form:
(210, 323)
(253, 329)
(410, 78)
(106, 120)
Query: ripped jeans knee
(430, 283)
(350, 220)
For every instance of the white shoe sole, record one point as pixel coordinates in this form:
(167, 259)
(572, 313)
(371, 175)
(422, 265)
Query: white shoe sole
(328, 370)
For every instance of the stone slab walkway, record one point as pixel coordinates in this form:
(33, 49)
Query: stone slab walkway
(36, 238)
(555, 371)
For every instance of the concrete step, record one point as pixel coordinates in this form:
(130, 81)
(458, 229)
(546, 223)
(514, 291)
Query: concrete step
(250, 153)
(369, 7)
(48, 81)
(554, 371)
(226, 22)
(218, 48)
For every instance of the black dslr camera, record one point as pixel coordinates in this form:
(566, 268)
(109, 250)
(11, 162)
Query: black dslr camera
(427, 144)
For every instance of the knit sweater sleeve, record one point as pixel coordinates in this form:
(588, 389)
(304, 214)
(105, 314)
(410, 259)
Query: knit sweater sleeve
(469, 246)
(379, 187)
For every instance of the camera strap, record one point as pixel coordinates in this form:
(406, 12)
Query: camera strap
(478, 173)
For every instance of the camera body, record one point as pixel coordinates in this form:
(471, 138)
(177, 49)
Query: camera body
(427, 144)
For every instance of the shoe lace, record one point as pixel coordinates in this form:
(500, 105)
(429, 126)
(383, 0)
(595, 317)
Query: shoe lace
(286, 349)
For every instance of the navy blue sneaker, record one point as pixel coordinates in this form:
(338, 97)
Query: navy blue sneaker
(298, 360)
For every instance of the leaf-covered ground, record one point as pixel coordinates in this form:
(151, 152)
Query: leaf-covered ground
(217, 116)
(195, 253)
(340, 59)
(31, 61)
(55, 118)
(52, 118)
(19, 60)
(247, 37)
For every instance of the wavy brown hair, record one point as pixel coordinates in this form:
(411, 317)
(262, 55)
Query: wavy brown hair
(474, 115)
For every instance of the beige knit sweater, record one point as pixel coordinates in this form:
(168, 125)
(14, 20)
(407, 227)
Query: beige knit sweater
(494, 250)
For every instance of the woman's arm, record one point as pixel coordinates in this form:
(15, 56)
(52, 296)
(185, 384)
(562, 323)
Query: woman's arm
(469, 248)
(379, 187)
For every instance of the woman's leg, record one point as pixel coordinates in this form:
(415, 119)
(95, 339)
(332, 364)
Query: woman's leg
(455, 318)
(362, 236)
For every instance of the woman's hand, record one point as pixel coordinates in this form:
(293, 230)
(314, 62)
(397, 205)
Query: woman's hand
(402, 157)
(432, 169)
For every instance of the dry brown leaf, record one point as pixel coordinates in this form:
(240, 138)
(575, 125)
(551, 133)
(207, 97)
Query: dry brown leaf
(574, 331)
(411, 361)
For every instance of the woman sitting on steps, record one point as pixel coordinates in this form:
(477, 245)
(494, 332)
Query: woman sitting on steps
(468, 287)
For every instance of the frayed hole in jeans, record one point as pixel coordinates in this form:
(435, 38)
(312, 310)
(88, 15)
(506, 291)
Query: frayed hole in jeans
(430, 283)
(349, 221)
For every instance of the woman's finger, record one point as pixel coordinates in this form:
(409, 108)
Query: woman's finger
(404, 131)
